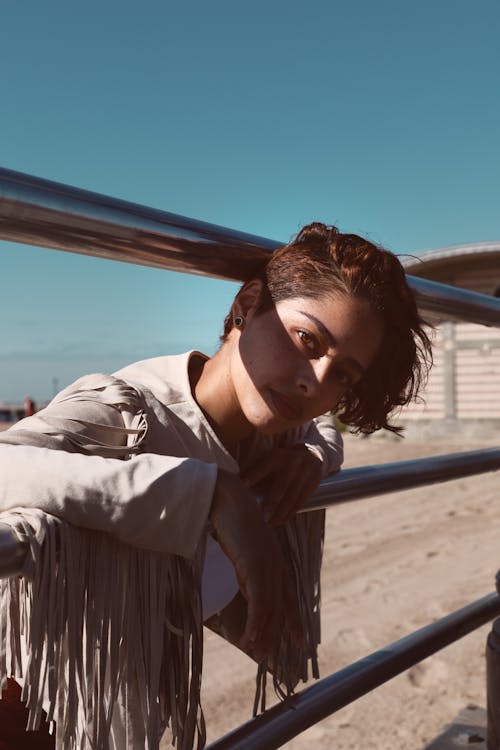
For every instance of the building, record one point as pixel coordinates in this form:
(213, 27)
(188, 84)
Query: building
(464, 385)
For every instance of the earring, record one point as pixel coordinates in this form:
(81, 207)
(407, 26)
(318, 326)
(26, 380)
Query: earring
(238, 321)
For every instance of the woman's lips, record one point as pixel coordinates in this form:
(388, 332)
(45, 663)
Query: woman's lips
(285, 406)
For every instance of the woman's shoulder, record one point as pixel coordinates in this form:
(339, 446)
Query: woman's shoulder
(165, 377)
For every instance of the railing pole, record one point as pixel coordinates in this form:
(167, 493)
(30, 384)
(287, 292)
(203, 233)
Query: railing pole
(493, 682)
(286, 720)
(41, 212)
(348, 484)
(493, 686)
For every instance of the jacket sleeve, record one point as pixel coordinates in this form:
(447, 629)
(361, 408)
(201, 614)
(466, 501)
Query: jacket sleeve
(81, 459)
(324, 440)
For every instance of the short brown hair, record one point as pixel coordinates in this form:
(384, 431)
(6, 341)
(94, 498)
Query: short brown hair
(321, 261)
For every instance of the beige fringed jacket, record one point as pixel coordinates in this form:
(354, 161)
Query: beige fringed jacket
(105, 626)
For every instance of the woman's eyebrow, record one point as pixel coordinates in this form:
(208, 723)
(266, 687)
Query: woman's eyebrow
(331, 340)
(320, 326)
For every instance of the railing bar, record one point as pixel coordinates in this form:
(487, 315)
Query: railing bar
(367, 481)
(348, 484)
(443, 301)
(41, 212)
(286, 720)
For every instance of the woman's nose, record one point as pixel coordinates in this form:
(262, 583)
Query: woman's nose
(313, 377)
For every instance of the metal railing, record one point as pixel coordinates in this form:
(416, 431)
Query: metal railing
(40, 212)
(286, 720)
(348, 484)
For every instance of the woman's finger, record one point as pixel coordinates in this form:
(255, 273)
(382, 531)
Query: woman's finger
(287, 508)
(287, 494)
(268, 464)
(293, 502)
(282, 491)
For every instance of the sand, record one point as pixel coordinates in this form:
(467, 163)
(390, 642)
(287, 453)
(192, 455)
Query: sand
(392, 564)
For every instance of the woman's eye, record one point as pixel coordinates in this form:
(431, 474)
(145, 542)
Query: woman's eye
(308, 341)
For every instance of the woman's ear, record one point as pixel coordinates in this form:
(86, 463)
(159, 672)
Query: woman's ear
(248, 300)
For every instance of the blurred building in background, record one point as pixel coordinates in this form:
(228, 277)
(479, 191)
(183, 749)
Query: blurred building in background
(464, 385)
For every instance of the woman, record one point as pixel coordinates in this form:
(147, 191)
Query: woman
(330, 324)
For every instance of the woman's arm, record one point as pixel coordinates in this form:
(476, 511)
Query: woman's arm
(155, 502)
(59, 461)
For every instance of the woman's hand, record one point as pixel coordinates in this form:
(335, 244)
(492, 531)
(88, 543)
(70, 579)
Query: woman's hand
(286, 477)
(252, 548)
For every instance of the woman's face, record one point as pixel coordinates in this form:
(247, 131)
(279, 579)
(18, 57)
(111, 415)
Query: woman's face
(296, 360)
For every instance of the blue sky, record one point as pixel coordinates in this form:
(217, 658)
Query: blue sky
(383, 118)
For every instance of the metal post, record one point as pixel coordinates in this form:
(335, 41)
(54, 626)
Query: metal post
(449, 355)
(493, 682)
(493, 686)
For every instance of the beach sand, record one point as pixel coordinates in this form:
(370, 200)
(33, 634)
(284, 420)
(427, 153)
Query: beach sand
(392, 564)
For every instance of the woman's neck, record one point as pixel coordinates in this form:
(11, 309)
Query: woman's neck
(212, 388)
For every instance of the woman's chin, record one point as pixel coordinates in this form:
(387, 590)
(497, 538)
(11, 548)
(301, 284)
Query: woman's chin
(269, 424)
(265, 420)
